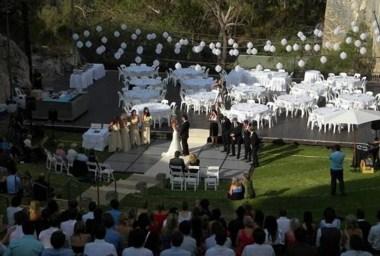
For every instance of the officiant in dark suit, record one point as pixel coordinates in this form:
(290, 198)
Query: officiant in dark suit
(184, 134)
(236, 137)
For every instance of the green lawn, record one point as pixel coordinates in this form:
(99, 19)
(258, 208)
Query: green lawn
(294, 177)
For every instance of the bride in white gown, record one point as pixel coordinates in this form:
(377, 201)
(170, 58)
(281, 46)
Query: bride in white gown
(175, 144)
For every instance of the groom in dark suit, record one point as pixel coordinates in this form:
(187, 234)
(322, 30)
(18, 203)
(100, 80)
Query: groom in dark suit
(184, 134)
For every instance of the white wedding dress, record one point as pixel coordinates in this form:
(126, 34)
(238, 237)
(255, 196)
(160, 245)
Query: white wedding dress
(175, 145)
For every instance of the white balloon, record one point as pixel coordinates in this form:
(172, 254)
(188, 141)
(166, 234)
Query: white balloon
(272, 49)
(99, 28)
(328, 45)
(355, 29)
(153, 36)
(218, 52)
(259, 67)
(235, 46)
(211, 46)
(320, 34)
(169, 39)
(353, 23)
(254, 51)
(99, 50)
(376, 31)
(138, 31)
(363, 50)
(133, 36)
(116, 33)
(149, 37)
(218, 68)
(88, 44)
(303, 38)
(300, 34)
(316, 32)
(343, 55)
(158, 50)
(248, 51)
(218, 45)
(121, 51)
(288, 48)
(185, 41)
(349, 40)
(117, 55)
(156, 63)
(363, 36)
(79, 44)
(178, 65)
(296, 47)
(231, 41)
(307, 47)
(75, 36)
(159, 45)
(198, 67)
(139, 50)
(317, 48)
(123, 26)
(279, 65)
(284, 42)
(358, 43)
(336, 47)
(177, 50)
(165, 35)
(249, 45)
(267, 48)
(138, 59)
(104, 40)
(236, 52)
(378, 39)
(123, 45)
(268, 42)
(177, 45)
(301, 63)
(86, 33)
(231, 52)
(202, 44)
(323, 59)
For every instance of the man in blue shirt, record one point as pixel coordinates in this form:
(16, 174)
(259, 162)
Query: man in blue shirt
(336, 169)
(13, 181)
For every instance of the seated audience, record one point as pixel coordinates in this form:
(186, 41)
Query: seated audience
(273, 234)
(356, 247)
(175, 249)
(45, 235)
(301, 247)
(245, 235)
(328, 235)
(236, 191)
(235, 225)
(11, 210)
(27, 245)
(189, 244)
(100, 247)
(58, 242)
(137, 240)
(159, 217)
(290, 238)
(90, 214)
(363, 225)
(219, 248)
(259, 247)
(41, 189)
(81, 156)
(329, 213)
(177, 161)
(374, 236)
(310, 227)
(184, 214)
(79, 238)
(68, 226)
(72, 153)
(283, 222)
(351, 228)
(216, 227)
(60, 151)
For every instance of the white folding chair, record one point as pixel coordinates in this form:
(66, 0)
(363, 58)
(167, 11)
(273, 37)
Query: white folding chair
(165, 102)
(211, 182)
(213, 171)
(176, 177)
(50, 160)
(92, 167)
(105, 170)
(191, 180)
(60, 165)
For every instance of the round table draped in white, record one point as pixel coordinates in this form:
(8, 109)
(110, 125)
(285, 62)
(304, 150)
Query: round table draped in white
(157, 110)
(311, 89)
(144, 82)
(202, 96)
(185, 73)
(197, 83)
(247, 111)
(325, 112)
(358, 101)
(246, 91)
(294, 99)
(144, 95)
(139, 70)
(312, 76)
(345, 82)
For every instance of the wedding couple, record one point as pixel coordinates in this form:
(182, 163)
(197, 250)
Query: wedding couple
(180, 136)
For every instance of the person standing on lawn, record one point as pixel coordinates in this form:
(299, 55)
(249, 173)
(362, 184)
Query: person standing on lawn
(336, 169)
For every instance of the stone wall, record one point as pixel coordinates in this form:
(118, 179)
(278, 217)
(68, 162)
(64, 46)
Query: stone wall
(343, 12)
(19, 64)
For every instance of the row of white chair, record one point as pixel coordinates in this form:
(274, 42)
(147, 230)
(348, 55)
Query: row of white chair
(184, 180)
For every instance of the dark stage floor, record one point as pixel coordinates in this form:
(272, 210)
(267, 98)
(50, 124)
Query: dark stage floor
(103, 106)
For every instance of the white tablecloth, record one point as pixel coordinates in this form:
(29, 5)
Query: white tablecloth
(348, 82)
(358, 101)
(139, 70)
(143, 95)
(246, 111)
(144, 82)
(311, 89)
(312, 76)
(294, 99)
(202, 97)
(186, 73)
(247, 92)
(95, 139)
(81, 79)
(197, 83)
(323, 113)
(157, 110)
(98, 71)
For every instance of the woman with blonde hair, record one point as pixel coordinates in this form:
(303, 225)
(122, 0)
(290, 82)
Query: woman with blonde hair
(236, 191)
(115, 138)
(146, 123)
(124, 132)
(34, 210)
(134, 129)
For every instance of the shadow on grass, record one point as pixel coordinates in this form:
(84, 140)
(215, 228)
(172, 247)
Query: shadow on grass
(278, 154)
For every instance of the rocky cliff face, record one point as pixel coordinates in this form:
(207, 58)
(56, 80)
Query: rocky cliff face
(19, 67)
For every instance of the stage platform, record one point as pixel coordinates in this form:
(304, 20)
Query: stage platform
(103, 106)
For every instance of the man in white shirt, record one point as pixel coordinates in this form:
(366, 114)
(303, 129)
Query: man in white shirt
(283, 222)
(374, 235)
(11, 210)
(219, 249)
(67, 227)
(189, 244)
(137, 240)
(258, 248)
(90, 214)
(99, 247)
(45, 234)
(175, 249)
(216, 227)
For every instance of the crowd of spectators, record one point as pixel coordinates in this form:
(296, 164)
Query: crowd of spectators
(36, 230)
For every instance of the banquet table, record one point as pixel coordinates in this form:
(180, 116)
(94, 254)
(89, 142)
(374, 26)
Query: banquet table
(186, 73)
(294, 99)
(157, 110)
(144, 82)
(357, 101)
(96, 139)
(139, 70)
(246, 111)
(312, 76)
(325, 112)
(197, 83)
(202, 96)
(244, 91)
(143, 94)
(345, 82)
(311, 89)
(81, 79)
